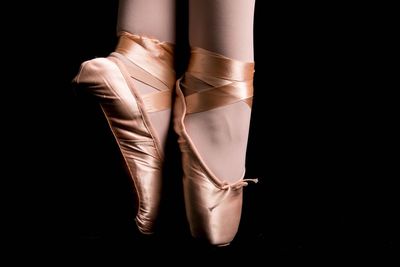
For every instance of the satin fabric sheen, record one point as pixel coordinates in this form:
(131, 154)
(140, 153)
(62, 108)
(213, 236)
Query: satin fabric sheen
(213, 207)
(109, 80)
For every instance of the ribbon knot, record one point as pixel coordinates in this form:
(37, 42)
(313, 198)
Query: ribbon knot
(235, 186)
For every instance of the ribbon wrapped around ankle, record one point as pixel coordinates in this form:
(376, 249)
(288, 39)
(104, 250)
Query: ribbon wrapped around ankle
(219, 81)
(151, 62)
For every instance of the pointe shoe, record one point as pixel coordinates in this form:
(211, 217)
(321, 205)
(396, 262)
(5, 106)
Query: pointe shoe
(213, 206)
(109, 80)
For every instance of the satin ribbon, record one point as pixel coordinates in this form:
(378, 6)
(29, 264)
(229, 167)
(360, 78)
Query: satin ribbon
(213, 80)
(151, 62)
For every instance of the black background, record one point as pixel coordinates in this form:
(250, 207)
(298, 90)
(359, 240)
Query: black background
(318, 192)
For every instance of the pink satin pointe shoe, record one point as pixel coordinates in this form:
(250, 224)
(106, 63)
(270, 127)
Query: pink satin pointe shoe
(213, 206)
(110, 81)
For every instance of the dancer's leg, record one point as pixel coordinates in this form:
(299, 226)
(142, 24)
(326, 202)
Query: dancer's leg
(133, 87)
(220, 135)
(150, 18)
(223, 26)
(153, 19)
